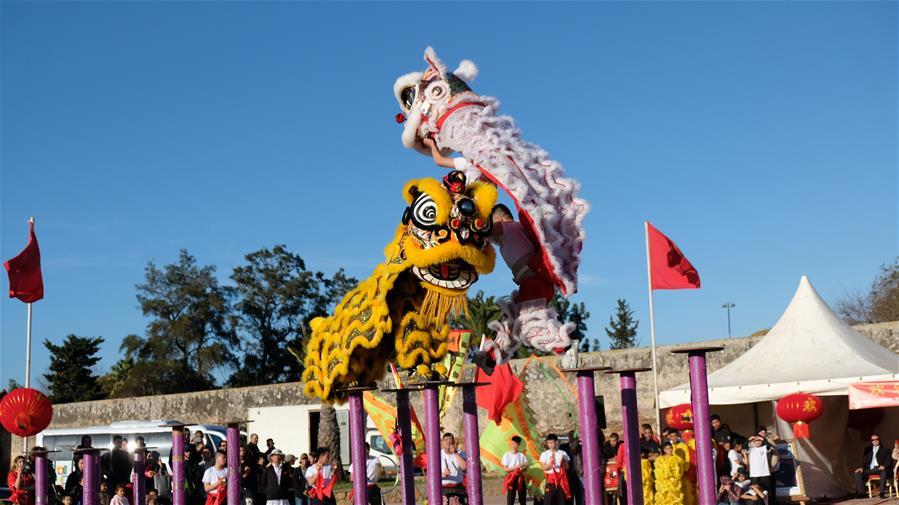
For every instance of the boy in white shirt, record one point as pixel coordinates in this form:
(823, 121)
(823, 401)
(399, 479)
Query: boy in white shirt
(554, 462)
(214, 478)
(515, 463)
(321, 477)
(759, 471)
(452, 466)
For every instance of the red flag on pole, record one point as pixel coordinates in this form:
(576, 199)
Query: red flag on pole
(25, 280)
(669, 268)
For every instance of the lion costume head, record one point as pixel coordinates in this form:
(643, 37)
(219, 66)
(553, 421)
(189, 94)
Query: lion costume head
(400, 312)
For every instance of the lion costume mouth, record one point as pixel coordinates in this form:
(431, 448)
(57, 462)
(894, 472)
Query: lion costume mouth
(456, 275)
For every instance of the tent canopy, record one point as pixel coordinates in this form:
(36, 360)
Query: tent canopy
(809, 349)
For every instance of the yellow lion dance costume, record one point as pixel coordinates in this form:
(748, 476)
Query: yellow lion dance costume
(400, 313)
(669, 478)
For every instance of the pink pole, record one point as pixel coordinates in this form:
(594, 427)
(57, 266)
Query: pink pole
(178, 497)
(138, 483)
(634, 478)
(593, 492)
(40, 478)
(232, 435)
(472, 443)
(357, 447)
(432, 444)
(699, 392)
(91, 478)
(404, 424)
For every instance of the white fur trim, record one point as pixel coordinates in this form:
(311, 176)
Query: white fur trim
(467, 71)
(433, 61)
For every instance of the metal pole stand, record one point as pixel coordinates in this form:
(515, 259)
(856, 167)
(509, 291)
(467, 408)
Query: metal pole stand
(432, 441)
(232, 452)
(699, 392)
(178, 497)
(631, 422)
(357, 443)
(472, 440)
(139, 483)
(41, 485)
(404, 426)
(91, 477)
(586, 399)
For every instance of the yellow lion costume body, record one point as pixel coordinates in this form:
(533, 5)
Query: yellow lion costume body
(400, 312)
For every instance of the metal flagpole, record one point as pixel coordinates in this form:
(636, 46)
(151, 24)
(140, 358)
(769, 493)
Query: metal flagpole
(652, 333)
(28, 343)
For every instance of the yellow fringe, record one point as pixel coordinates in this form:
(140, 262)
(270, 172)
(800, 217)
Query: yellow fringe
(439, 305)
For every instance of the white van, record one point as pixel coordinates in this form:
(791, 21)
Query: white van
(157, 437)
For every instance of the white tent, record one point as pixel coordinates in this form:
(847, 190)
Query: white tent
(810, 350)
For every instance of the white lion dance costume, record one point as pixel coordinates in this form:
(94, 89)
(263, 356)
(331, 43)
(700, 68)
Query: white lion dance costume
(543, 248)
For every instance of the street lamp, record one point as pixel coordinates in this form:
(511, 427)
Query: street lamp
(728, 306)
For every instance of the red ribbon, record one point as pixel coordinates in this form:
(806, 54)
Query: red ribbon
(320, 491)
(513, 481)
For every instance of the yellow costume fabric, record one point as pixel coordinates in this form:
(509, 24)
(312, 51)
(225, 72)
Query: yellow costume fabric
(648, 491)
(669, 478)
(400, 312)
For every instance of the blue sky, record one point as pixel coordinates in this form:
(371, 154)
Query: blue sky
(760, 136)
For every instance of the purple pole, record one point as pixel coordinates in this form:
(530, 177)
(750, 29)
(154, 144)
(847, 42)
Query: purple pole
(91, 478)
(634, 477)
(699, 389)
(178, 497)
(357, 448)
(472, 443)
(404, 423)
(432, 444)
(139, 484)
(232, 435)
(593, 492)
(40, 478)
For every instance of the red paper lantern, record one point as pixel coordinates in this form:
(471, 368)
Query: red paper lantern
(680, 417)
(800, 409)
(25, 412)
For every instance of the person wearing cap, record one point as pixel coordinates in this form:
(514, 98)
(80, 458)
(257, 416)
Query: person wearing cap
(372, 474)
(276, 480)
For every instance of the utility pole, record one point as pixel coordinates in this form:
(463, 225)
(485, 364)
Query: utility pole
(728, 306)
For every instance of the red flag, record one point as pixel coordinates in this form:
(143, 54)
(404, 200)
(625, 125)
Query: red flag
(25, 280)
(504, 388)
(669, 268)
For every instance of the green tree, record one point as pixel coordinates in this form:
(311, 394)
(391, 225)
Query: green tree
(190, 335)
(275, 298)
(576, 313)
(622, 330)
(126, 379)
(880, 304)
(482, 310)
(71, 377)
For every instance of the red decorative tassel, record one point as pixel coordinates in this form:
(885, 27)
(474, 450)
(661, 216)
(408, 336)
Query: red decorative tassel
(801, 430)
(400, 118)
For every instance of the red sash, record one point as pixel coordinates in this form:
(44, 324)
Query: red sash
(320, 491)
(560, 480)
(218, 498)
(513, 481)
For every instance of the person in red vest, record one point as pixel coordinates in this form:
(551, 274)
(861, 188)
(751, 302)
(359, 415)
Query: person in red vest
(515, 463)
(20, 482)
(554, 462)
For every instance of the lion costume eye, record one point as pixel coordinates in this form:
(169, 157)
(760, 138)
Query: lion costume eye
(424, 211)
(408, 96)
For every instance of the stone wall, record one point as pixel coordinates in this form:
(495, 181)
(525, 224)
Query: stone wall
(551, 398)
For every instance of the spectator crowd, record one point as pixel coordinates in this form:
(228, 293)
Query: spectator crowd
(745, 468)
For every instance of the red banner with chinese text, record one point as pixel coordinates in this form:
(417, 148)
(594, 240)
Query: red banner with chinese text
(869, 395)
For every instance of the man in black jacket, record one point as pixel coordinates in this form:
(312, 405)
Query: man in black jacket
(875, 461)
(276, 480)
